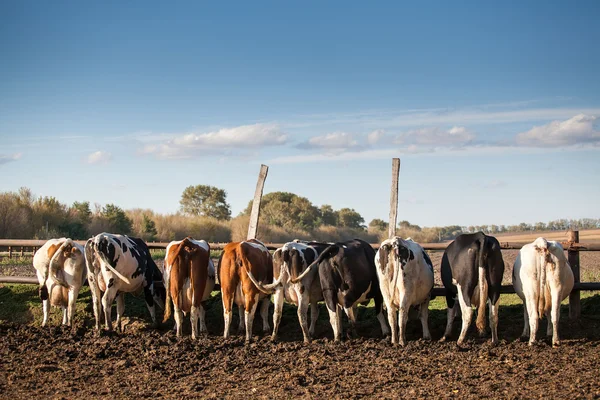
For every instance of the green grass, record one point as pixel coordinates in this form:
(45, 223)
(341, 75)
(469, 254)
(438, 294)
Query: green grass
(16, 261)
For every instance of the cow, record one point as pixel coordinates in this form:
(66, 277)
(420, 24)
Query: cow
(289, 261)
(236, 260)
(348, 276)
(405, 274)
(61, 271)
(189, 278)
(542, 277)
(472, 270)
(119, 264)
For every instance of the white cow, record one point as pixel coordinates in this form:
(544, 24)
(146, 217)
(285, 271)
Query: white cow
(60, 268)
(405, 275)
(542, 278)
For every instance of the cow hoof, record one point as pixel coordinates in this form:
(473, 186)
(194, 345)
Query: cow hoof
(523, 338)
(443, 339)
(273, 338)
(306, 341)
(556, 344)
(427, 338)
(481, 334)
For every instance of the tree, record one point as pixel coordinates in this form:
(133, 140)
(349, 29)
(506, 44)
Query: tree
(287, 210)
(378, 224)
(115, 216)
(205, 200)
(328, 215)
(349, 218)
(148, 229)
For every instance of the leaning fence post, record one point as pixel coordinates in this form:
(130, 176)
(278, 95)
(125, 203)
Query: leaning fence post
(394, 197)
(253, 225)
(573, 257)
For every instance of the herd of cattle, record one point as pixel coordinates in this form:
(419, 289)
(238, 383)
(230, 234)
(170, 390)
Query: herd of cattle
(399, 276)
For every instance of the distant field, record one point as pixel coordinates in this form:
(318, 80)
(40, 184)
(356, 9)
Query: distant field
(588, 235)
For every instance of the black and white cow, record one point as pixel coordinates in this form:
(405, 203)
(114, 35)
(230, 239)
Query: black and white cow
(472, 270)
(289, 262)
(348, 276)
(405, 275)
(119, 264)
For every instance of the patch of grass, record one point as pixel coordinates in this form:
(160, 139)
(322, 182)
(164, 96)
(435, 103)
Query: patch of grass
(16, 261)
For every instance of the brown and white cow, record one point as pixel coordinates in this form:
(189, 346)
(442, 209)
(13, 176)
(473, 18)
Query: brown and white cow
(60, 268)
(237, 259)
(405, 274)
(189, 278)
(542, 278)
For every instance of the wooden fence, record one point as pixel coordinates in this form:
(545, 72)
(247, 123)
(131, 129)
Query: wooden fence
(18, 247)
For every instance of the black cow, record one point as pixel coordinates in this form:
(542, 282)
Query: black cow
(472, 269)
(348, 276)
(118, 264)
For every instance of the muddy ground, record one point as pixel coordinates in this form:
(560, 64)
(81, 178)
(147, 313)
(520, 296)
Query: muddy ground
(58, 362)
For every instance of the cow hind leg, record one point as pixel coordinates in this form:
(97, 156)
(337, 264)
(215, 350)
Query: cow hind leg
(46, 309)
(314, 315)
(149, 297)
(392, 312)
(402, 320)
(120, 310)
(351, 313)
(194, 316)
(533, 319)
(227, 312)
(65, 318)
(525, 333)
(250, 310)
(242, 320)
(202, 317)
(424, 316)
(385, 330)
(277, 311)
(467, 315)
(493, 316)
(264, 313)
(107, 300)
(450, 315)
(71, 305)
(554, 318)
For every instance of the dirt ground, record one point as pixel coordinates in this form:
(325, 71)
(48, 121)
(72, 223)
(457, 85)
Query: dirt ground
(143, 362)
(58, 362)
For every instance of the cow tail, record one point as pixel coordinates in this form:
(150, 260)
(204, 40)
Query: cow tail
(54, 267)
(170, 263)
(189, 250)
(483, 287)
(542, 247)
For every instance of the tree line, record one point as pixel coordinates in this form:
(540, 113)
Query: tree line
(205, 213)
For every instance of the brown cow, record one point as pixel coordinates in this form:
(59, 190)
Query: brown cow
(189, 278)
(236, 260)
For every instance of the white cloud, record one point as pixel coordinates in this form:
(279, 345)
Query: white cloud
(219, 141)
(98, 157)
(331, 141)
(375, 136)
(577, 130)
(436, 136)
(6, 158)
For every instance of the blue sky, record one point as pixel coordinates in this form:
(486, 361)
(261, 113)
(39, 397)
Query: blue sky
(493, 108)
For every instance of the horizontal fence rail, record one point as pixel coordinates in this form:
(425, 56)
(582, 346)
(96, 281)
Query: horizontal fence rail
(31, 243)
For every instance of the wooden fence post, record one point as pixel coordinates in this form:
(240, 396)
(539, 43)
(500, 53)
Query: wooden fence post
(253, 225)
(573, 257)
(9, 252)
(22, 252)
(394, 197)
